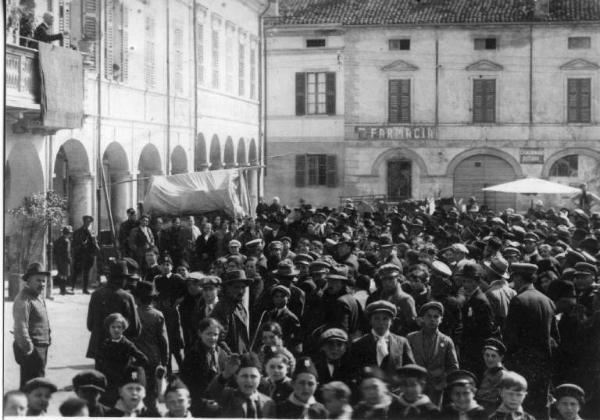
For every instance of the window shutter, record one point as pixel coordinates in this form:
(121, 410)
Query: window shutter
(108, 39)
(124, 42)
(300, 170)
(490, 101)
(585, 86)
(65, 21)
(90, 30)
(478, 100)
(332, 171)
(300, 93)
(404, 101)
(330, 92)
(393, 101)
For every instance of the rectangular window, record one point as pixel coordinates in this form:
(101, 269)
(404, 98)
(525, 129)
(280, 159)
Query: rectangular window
(215, 58)
(399, 101)
(316, 170)
(484, 100)
(399, 44)
(242, 69)
(149, 59)
(315, 93)
(580, 42)
(200, 52)
(485, 43)
(579, 100)
(315, 43)
(253, 73)
(229, 51)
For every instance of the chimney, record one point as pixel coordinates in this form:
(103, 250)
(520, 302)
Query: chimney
(541, 9)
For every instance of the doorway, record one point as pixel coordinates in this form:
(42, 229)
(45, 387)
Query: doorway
(399, 180)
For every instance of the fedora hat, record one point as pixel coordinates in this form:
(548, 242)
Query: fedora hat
(498, 266)
(233, 276)
(33, 269)
(286, 269)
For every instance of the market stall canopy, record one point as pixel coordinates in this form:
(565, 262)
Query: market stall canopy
(199, 192)
(533, 186)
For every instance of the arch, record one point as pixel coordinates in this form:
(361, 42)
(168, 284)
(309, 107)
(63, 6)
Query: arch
(178, 161)
(200, 155)
(229, 155)
(115, 158)
(484, 151)
(215, 153)
(595, 154)
(149, 160)
(398, 154)
(253, 153)
(76, 155)
(241, 153)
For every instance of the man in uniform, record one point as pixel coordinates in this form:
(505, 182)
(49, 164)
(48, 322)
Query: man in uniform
(85, 247)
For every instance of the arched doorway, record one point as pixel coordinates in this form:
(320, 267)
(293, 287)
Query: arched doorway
(229, 153)
(253, 154)
(241, 153)
(476, 172)
(215, 153)
(178, 161)
(200, 161)
(148, 165)
(72, 179)
(118, 180)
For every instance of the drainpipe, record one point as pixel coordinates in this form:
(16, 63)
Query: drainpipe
(530, 81)
(262, 98)
(99, 168)
(195, 32)
(437, 83)
(168, 160)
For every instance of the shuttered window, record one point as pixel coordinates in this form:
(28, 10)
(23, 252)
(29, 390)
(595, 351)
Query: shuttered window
(316, 170)
(484, 100)
(109, 37)
(315, 93)
(200, 52)
(90, 32)
(399, 101)
(579, 101)
(253, 59)
(149, 54)
(116, 63)
(242, 69)
(229, 51)
(178, 56)
(64, 21)
(215, 58)
(124, 42)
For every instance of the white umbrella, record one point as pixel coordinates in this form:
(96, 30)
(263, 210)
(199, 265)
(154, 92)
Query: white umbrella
(533, 186)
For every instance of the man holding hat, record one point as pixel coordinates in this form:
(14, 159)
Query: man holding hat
(31, 328)
(85, 247)
(110, 299)
(230, 311)
(380, 347)
(530, 335)
(63, 258)
(89, 385)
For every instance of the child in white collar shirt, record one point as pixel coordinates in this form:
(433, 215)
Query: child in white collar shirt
(461, 389)
(301, 403)
(513, 390)
(277, 385)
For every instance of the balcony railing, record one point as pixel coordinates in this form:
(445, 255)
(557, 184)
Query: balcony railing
(22, 77)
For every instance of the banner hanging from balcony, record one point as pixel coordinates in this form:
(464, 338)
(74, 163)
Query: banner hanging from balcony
(61, 74)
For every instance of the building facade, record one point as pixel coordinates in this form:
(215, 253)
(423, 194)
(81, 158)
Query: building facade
(169, 87)
(411, 99)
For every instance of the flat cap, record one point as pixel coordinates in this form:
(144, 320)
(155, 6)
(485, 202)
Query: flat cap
(412, 371)
(458, 247)
(275, 244)
(286, 239)
(586, 268)
(431, 305)
(196, 276)
(496, 345)
(334, 276)
(253, 243)
(303, 259)
(90, 379)
(531, 237)
(461, 377)
(381, 306)
(281, 289)
(36, 383)
(441, 268)
(511, 251)
(569, 390)
(234, 242)
(333, 334)
(573, 257)
(523, 268)
(389, 269)
(211, 281)
(319, 266)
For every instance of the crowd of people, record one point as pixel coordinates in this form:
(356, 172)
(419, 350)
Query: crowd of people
(412, 311)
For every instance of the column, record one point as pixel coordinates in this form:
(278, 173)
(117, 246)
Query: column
(81, 199)
(252, 175)
(120, 199)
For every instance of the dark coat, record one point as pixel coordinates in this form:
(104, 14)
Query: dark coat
(288, 410)
(364, 353)
(290, 325)
(205, 251)
(530, 324)
(342, 311)
(478, 322)
(394, 411)
(235, 325)
(443, 359)
(191, 311)
(124, 231)
(450, 413)
(62, 256)
(104, 302)
(139, 242)
(146, 412)
(233, 404)
(196, 372)
(278, 391)
(42, 34)
(84, 245)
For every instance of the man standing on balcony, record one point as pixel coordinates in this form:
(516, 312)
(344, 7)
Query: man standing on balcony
(42, 32)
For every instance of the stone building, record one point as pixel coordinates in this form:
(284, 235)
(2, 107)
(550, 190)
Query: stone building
(169, 87)
(431, 98)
